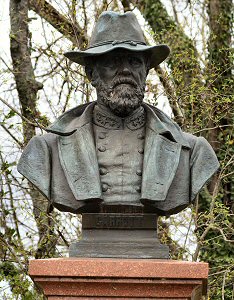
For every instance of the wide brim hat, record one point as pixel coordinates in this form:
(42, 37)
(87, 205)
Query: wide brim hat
(118, 31)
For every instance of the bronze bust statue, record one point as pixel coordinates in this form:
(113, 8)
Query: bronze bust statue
(118, 151)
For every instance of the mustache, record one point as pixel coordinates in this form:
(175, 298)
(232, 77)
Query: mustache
(122, 80)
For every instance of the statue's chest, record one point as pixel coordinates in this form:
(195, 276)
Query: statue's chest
(120, 158)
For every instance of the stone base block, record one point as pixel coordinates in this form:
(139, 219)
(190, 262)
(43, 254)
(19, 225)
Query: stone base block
(119, 235)
(119, 244)
(103, 278)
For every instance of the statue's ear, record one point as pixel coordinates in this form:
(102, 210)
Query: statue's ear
(89, 72)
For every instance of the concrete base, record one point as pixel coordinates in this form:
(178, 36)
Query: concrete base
(103, 278)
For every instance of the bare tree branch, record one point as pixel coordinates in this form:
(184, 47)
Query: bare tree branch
(22, 116)
(12, 136)
(66, 27)
(171, 94)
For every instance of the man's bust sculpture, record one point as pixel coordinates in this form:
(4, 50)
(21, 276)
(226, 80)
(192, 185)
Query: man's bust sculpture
(118, 150)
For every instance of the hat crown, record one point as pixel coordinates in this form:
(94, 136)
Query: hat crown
(113, 26)
(118, 31)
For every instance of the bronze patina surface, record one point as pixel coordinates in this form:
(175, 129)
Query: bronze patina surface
(118, 154)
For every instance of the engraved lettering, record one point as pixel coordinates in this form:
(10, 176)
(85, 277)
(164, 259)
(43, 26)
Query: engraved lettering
(115, 221)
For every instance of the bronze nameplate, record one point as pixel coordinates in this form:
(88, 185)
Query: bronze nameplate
(119, 221)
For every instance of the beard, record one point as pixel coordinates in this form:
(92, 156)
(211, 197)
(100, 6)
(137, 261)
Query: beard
(122, 97)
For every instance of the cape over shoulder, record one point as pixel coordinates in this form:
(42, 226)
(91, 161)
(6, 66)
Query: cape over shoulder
(55, 182)
(72, 119)
(79, 116)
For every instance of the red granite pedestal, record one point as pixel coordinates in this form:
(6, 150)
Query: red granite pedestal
(106, 278)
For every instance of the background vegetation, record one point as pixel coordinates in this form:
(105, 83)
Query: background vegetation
(38, 84)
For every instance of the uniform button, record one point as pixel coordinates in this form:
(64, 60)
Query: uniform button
(138, 189)
(141, 150)
(104, 187)
(139, 172)
(140, 136)
(102, 135)
(102, 148)
(103, 171)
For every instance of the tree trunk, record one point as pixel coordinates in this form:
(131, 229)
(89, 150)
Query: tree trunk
(27, 88)
(26, 84)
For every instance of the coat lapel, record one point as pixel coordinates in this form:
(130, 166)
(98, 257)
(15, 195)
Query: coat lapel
(162, 155)
(161, 160)
(80, 166)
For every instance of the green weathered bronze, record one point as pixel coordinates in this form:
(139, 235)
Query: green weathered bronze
(119, 151)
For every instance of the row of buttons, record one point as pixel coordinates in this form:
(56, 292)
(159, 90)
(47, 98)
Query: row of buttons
(105, 188)
(104, 171)
(103, 135)
(103, 149)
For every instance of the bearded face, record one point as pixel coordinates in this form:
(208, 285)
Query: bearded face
(122, 97)
(119, 78)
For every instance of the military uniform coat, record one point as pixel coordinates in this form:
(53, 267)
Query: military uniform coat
(63, 164)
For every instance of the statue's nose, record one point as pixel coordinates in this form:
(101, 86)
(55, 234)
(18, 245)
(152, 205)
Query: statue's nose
(125, 71)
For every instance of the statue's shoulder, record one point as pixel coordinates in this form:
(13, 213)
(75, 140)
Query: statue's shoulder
(64, 125)
(187, 139)
(72, 119)
(163, 124)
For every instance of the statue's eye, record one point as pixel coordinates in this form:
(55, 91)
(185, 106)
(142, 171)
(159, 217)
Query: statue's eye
(108, 63)
(135, 61)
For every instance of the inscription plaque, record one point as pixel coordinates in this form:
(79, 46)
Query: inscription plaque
(119, 221)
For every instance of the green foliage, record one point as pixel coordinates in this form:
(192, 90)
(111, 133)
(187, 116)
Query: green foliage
(11, 114)
(20, 285)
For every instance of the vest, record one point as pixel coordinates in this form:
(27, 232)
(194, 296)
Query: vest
(119, 146)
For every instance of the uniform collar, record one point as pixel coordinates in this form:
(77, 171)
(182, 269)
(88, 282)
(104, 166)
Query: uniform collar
(156, 120)
(103, 117)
